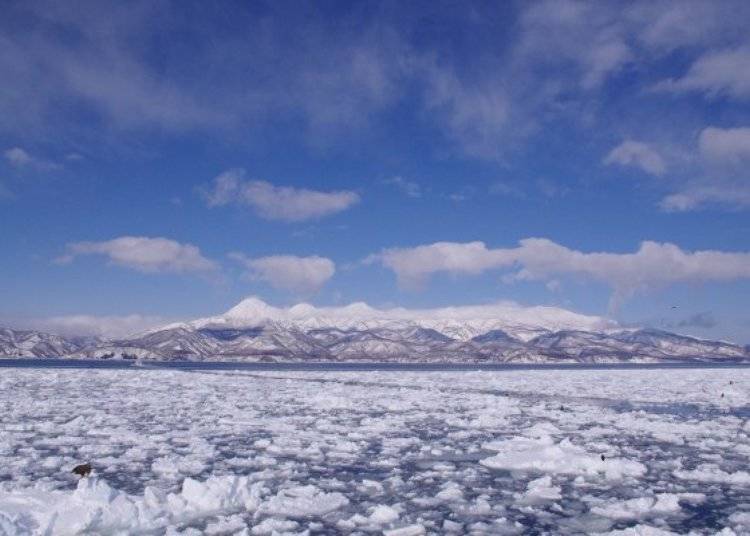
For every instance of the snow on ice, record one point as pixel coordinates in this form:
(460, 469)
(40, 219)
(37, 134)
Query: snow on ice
(641, 452)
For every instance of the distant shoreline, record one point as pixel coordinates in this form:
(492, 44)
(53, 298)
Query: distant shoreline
(312, 366)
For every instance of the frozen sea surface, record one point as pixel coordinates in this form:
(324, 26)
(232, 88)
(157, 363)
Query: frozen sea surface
(399, 453)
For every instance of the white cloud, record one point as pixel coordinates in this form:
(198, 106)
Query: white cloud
(413, 265)
(91, 325)
(716, 73)
(282, 203)
(652, 265)
(635, 153)
(300, 275)
(144, 254)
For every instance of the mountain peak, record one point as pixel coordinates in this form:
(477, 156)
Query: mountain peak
(252, 309)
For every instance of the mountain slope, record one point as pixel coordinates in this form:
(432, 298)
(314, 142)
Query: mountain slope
(29, 343)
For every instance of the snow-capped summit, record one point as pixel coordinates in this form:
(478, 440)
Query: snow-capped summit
(252, 310)
(462, 322)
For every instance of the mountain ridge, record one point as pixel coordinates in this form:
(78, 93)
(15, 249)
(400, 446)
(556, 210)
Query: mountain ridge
(500, 332)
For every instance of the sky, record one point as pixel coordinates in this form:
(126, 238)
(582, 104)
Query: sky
(163, 160)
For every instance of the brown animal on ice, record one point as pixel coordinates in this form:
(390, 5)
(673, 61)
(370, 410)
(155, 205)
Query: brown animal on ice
(82, 470)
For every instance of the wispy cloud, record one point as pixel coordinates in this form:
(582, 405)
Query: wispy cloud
(638, 154)
(507, 189)
(723, 157)
(21, 159)
(79, 58)
(715, 74)
(600, 51)
(271, 202)
(17, 157)
(474, 115)
(407, 187)
(334, 82)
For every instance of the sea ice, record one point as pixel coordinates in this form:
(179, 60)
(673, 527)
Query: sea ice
(505, 452)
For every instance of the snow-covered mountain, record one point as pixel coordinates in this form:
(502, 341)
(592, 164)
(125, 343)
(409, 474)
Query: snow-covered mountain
(502, 332)
(29, 343)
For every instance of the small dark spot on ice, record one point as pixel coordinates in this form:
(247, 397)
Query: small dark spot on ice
(602, 457)
(82, 470)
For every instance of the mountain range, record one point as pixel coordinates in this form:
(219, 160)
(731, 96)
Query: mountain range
(502, 332)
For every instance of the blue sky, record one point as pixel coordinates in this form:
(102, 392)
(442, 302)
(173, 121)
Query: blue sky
(163, 160)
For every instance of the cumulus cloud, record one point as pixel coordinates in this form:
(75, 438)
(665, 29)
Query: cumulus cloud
(150, 255)
(635, 153)
(300, 275)
(272, 202)
(716, 73)
(413, 265)
(653, 265)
